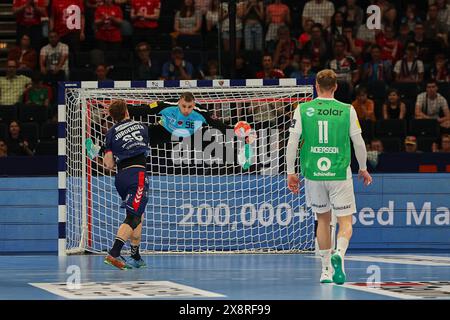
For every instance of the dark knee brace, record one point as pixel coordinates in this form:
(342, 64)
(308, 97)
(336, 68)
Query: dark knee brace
(132, 220)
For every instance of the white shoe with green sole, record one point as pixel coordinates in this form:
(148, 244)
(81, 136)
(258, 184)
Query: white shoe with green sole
(326, 276)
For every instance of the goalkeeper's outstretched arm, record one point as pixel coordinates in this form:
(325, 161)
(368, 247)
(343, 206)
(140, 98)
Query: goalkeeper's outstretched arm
(214, 123)
(158, 106)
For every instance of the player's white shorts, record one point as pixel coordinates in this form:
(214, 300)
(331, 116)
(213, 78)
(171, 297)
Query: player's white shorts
(321, 196)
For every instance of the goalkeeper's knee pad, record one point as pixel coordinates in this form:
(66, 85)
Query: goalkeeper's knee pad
(132, 220)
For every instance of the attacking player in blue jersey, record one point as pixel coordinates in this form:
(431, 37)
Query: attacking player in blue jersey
(126, 145)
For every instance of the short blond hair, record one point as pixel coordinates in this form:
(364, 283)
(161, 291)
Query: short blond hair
(326, 79)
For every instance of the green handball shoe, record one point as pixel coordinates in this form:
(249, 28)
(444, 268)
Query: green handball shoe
(339, 274)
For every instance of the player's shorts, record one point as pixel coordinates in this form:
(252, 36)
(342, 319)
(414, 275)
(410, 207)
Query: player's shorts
(321, 196)
(132, 186)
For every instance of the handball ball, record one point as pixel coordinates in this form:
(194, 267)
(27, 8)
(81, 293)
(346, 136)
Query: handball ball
(242, 129)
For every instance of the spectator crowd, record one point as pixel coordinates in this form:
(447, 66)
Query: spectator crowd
(397, 77)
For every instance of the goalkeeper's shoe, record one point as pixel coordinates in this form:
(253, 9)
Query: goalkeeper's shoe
(136, 263)
(326, 276)
(338, 266)
(118, 262)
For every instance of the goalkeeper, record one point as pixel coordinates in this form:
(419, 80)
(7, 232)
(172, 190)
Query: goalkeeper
(180, 119)
(185, 117)
(126, 144)
(324, 128)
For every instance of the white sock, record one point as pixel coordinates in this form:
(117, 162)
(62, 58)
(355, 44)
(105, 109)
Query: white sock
(342, 245)
(325, 256)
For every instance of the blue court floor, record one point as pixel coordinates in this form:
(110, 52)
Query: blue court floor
(233, 276)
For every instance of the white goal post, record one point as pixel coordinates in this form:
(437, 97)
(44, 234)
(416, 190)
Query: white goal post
(200, 199)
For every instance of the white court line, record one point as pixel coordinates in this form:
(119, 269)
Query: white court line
(404, 259)
(426, 257)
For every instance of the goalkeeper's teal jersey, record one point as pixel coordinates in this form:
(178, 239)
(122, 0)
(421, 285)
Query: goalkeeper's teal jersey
(180, 125)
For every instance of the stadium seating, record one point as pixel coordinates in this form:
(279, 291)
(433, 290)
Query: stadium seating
(123, 63)
(211, 41)
(190, 43)
(120, 73)
(44, 148)
(410, 105)
(425, 143)
(118, 58)
(444, 90)
(82, 74)
(392, 144)
(391, 128)
(81, 60)
(377, 89)
(379, 108)
(49, 131)
(8, 113)
(194, 57)
(28, 113)
(368, 129)
(343, 92)
(30, 131)
(407, 90)
(424, 128)
(3, 130)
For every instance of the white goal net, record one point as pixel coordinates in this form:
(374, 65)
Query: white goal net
(200, 198)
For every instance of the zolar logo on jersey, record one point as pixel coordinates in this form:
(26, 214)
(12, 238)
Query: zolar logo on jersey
(329, 112)
(310, 112)
(323, 112)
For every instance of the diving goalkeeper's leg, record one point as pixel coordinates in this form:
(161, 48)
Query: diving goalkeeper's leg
(343, 239)
(324, 240)
(135, 260)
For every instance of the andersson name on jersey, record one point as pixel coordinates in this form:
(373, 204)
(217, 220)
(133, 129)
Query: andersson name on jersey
(324, 149)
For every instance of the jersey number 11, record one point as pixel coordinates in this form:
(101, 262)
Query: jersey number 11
(323, 131)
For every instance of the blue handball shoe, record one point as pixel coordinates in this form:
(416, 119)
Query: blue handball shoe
(136, 263)
(118, 262)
